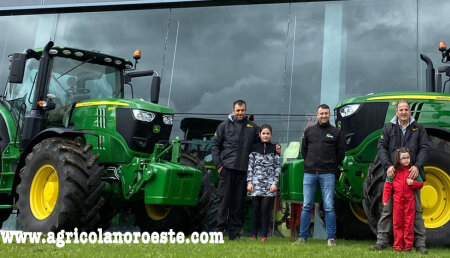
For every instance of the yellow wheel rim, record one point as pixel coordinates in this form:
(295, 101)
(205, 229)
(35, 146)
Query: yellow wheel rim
(44, 192)
(358, 211)
(434, 196)
(157, 212)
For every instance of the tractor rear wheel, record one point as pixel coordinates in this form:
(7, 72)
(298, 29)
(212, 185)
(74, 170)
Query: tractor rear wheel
(435, 194)
(60, 187)
(185, 218)
(373, 192)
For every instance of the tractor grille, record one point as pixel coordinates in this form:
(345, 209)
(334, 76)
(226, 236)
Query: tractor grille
(368, 118)
(139, 135)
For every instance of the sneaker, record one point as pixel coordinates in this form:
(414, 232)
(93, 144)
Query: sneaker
(264, 239)
(422, 250)
(299, 241)
(253, 237)
(331, 242)
(377, 247)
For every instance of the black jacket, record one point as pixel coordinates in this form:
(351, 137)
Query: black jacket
(230, 146)
(415, 139)
(323, 149)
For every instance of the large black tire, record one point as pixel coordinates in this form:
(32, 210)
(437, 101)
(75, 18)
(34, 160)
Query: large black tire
(349, 224)
(60, 187)
(373, 193)
(437, 167)
(437, 172)
(185, 218)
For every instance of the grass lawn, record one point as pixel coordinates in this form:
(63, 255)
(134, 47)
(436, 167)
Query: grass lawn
(274, 247)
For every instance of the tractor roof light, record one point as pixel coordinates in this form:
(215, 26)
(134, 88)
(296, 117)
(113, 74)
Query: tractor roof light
(348, 109)
(442, 46)
(117, 62)
(128, 66)
(137, 54)
(42, 104)
(66, 52)
(108, 59)
(78, 54)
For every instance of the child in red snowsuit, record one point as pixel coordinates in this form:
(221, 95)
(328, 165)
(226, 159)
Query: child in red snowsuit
(404, 208)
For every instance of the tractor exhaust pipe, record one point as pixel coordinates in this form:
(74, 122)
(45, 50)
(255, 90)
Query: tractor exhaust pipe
(429, 74)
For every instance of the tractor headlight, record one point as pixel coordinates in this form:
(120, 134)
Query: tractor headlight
(143, 115)
(168, 119)
(348, 110)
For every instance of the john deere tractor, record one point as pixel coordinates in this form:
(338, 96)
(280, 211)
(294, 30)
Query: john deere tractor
(75, 152)
(359, 188)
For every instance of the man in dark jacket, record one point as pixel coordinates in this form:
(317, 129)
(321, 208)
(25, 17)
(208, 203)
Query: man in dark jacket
(230, 148)
(322, 150)
(402, 131)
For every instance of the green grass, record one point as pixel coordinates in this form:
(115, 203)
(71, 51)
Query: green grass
(274, 247)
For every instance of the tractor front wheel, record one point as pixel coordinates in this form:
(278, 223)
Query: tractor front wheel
(60, 187)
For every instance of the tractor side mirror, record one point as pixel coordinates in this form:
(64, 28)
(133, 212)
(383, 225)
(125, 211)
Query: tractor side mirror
(154, 91)
(17, 68)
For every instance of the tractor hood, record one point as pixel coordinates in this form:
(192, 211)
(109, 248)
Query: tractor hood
(395, 96)
(125, 103)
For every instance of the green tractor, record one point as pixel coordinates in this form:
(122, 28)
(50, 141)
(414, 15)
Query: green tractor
(75, 152)
(359, 188)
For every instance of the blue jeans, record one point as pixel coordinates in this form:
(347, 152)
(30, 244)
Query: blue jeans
(326, 181)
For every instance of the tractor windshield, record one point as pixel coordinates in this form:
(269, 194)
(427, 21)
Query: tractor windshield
(70, 81)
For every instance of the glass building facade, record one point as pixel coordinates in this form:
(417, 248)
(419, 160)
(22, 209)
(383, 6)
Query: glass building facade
(283, 59)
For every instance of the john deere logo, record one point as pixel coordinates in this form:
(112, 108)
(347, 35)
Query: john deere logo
(329, 136)
(156, 129)
(339, 126)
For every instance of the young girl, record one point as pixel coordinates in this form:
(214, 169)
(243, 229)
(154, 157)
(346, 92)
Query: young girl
(262, 179)
(404, 208)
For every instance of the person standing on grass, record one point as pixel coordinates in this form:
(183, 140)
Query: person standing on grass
(404, 208)
(264, 168)
(323, 150)
(230, 148)
(402, 131)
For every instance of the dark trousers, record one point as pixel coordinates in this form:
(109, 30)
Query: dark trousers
(261, 214)
(232, 191)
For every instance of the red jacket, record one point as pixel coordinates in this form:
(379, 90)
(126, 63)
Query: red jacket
(402, 189)
(404, 210)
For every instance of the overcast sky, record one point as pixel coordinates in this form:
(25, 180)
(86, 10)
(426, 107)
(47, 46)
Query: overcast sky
(215, 55)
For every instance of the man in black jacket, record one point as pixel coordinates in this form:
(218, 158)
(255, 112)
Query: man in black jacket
(230, 148)
(402, 131)
(323, 149)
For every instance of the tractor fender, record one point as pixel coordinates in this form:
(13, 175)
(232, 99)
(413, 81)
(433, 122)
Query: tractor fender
(437, 131)
(47, 133)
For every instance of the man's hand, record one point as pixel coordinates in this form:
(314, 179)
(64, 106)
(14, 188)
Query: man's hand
(250, 187)
(219, 170)
(390, 172)
(278, 149)
(413, 172)
(273, 188)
